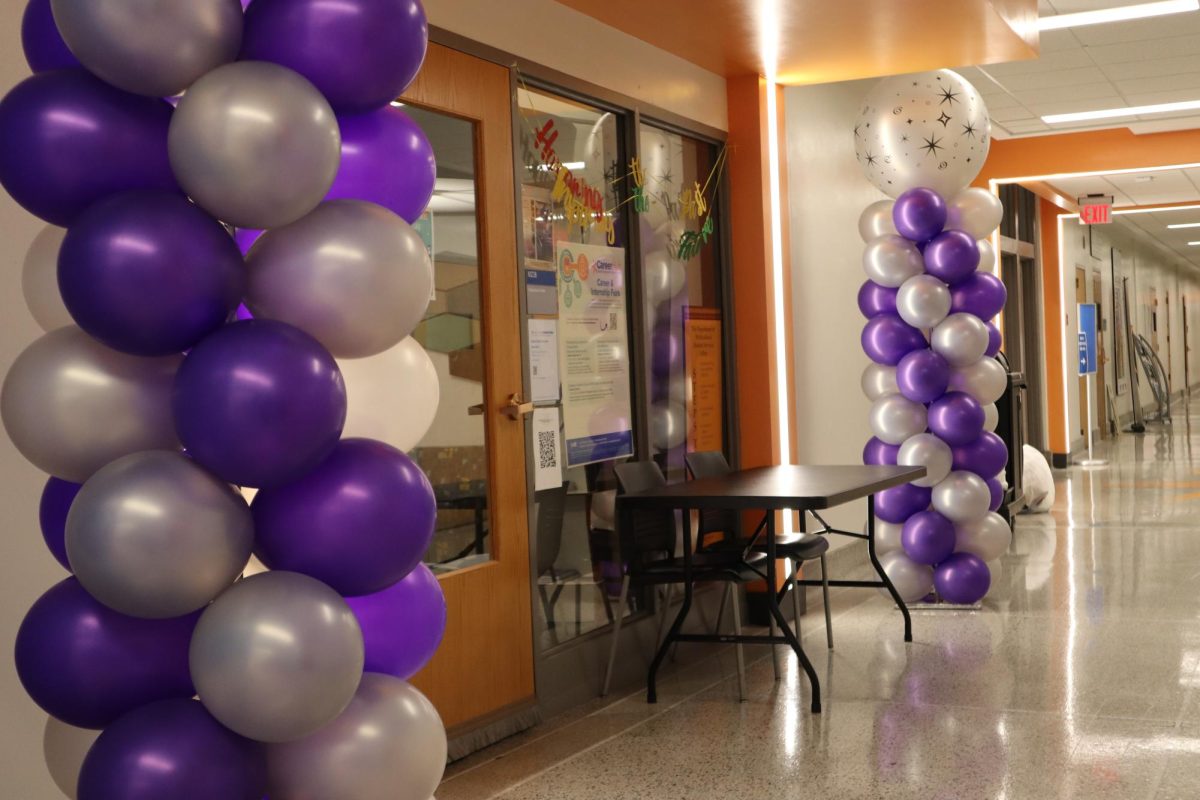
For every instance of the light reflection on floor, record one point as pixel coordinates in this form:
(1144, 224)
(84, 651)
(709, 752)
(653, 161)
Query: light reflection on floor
(1080, 677)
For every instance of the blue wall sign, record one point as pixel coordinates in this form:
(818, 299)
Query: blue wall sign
(1087, 338)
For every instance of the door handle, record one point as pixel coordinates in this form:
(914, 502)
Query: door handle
(516, 408)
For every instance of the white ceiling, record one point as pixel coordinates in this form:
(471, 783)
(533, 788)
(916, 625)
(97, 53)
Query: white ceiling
(1138, 62)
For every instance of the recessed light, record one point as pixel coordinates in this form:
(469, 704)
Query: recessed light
(1127, 111)
(1143, 179)
(1119, 14)
(1184, 225)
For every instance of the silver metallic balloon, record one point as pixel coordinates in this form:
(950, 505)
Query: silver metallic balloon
(887, 536)
(987, 538)
(64, 748)
(150, 47)
(929, 129)
(403, 377)
(987, 256)
(71, 405)
(255, 144)
(665, 276)
(879, 380)
(985, 380)
(895, 418)
(39, 280)
(277, 656)
(928, 451)
(961, 339)
(891, 260)
(912, 580)
(976, 211)
(352, 274)
(389, 744)
(876, 221)
(668, 425)
(962, 497)
(154, 535)
(991, 417)
(923, 301)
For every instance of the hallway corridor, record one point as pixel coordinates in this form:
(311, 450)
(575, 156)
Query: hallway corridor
(1080, 677)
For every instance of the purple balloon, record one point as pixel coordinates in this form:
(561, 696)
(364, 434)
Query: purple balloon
(922, 376)
(666, 354)
(901, 502)
(175, 749)
(402, 625)
(995, 341)
(361, 54)
(928, 537)
(259, 403)
(962, 578)
(245, 238)
(242, 313)
(874, 299)
(997, 490)
(360, 521)
(919, 214)
(387, 160)
(71, 139)
(57, 497)
(985, 456)
(982, 294)
(880, 453)
(956, 418)
(86, 665)
(952, 257)
(149, 274)
(886, 339)
(44, 47)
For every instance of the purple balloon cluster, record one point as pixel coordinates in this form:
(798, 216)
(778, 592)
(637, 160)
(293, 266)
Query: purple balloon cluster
(256, 402)
(933, 382)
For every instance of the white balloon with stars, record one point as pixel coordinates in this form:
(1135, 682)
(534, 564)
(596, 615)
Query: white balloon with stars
(928, 129)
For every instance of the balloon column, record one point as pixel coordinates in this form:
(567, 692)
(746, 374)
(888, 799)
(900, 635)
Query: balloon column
(929, 299)
(148, 400)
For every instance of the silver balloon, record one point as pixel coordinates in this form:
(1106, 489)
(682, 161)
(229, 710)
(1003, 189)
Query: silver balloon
(895, 418)
(389, 744)
(962, 497)
(887, 537)
(154, 535)
(987, 256)
(928, 451)
(929, 129)
(911, 580)
(392, 397)
(668, 425)
(352, 274)
(876, 221)
(879, 380)
(923, 301)
(976, 211)
(891, 260)
(64, 748)
(277, 656)
(961, 339)
(665, 276)
(71, 405)
(991, 416)
(987, 538)
(985, 380)
(148, 46)
(39, 280)
(255, 144)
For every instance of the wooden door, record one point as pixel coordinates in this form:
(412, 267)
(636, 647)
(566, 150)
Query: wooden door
(1101, 357)
(1187, 345)
(1081, 297)
(484, 667)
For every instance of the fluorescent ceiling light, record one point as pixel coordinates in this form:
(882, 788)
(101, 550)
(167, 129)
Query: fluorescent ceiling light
(1184, 225)
(1193, 244)
(1118, 14)
(1127, 111)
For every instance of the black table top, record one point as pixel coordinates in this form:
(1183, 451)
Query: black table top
(782, 487)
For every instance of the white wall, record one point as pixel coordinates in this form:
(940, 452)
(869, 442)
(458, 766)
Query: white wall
(828, 192)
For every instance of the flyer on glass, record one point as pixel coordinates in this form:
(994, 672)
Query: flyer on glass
(593, 353)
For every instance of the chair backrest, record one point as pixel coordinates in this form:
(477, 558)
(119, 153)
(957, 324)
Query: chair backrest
(712, 464)
(551, 507)
(652, 531)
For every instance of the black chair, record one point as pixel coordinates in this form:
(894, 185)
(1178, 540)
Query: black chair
(796, 547)
(647, 550)
(551, 578)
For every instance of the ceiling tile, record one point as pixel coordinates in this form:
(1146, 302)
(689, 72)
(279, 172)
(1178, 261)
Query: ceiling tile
(1153, 67)
(1140, 30)
(1042, 80)
(1055, 41)
(1188, 82)
(1063, 59)
(1172, 47)
(1102, 94)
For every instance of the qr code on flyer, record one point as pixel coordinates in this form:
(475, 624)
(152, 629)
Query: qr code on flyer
(547, 449)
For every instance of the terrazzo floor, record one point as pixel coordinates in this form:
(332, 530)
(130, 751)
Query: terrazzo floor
(1079, 677)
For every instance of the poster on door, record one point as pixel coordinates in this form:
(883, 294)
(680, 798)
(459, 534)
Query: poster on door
(702, 359)
(593, 353)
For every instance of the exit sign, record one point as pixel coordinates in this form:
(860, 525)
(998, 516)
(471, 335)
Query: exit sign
(1095, 209)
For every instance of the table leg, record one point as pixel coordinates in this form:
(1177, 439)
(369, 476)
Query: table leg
(784, 628)
(651, 678)
(879, 569)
